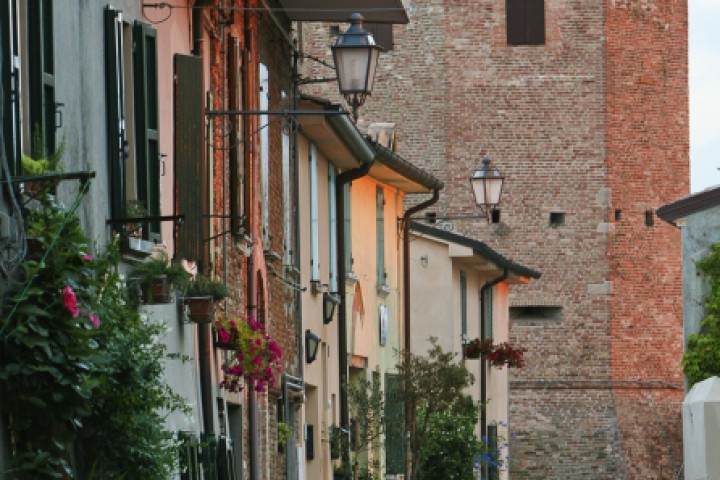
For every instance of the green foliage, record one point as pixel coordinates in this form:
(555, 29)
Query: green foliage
(204, 287)
(451, 443)
(39, 162)
(432, 384)
(367, 408)
(702, 355)
(80, 364)
(143, 273)
(283, 433)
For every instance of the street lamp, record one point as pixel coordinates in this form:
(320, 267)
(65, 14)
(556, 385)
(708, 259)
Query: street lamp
(487, 186)
(356, 55)
(330, 301)
(312, 342)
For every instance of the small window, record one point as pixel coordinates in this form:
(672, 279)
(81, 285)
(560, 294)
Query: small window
(495, 215)
(525, 22)
(618, 215)
(649, 218)
(536, 313)
(557, 219)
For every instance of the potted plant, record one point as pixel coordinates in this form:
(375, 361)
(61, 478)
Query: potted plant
(472, 349)
(283, 435)
(226, 334)
(155, 278)
(256, 358)
(497, 355)
(40, 163)
(200, 297)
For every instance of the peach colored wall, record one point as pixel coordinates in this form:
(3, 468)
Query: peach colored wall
(173, 36)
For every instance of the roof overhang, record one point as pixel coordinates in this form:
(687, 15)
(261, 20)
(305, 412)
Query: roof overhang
(675, 212)
(386, 175)
(335, 136)
(380, 11)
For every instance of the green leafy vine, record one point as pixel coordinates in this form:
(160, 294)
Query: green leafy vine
(702, 354)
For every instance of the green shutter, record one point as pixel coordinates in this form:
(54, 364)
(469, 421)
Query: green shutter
(147, 150)
(191, 173)
(380, 232)
(41, 74)
(115, 96)
(394, 438)
(10, 86)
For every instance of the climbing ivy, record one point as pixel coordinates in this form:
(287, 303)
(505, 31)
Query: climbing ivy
(702, 354)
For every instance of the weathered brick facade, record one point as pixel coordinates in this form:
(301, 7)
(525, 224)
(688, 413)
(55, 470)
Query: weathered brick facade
(593, 125)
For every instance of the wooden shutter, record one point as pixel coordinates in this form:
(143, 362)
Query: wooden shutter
(41, 74)
(115, 97)
(147, 150)
(314, 216)
(525, 22)
(237, 180)
(10, 85)
(394, 438)
(332, 215)
(488, 313)
(535, 22)
(191, 172)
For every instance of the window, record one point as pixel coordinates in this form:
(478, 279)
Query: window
(314, 226)
(133, 127)
(333, 229)
(525, 22)
(347, 192)
(380, 236)
(463, 304)
(236, 151)
(557, 219)
(41, 80)
(539, 313)
(264, 103)
(12, 129)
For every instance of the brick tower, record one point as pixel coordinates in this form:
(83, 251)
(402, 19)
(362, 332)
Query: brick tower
(583, 106)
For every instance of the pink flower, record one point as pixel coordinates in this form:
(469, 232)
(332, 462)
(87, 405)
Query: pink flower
(70, 301)
(87, 258)
(95, 320)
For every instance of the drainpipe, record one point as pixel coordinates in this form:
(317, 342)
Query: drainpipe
(483, 363)
(406, 305)
(340, 181)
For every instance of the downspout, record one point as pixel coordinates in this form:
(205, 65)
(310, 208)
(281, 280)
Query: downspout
(483, 363)
(340, 181)
(406, 306)
(204, 338)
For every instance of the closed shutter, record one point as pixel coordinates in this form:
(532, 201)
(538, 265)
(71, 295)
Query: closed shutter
(237, 180)
(463, 304)
(115, 96)
(11, 85)
(525, 22)
(191, 173)
(380, 232)
(42, 75)
(394, 438)
(314, 216)
(332, 205)
(347, 206)
(147, 151)
(488, 313)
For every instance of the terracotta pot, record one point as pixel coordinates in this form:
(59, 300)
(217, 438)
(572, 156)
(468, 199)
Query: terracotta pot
(201, 309)
(159, 291)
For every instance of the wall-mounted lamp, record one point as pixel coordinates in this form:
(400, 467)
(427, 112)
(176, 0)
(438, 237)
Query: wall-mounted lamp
(486, 183)
(312, 342)
(356, 55)
(487, 186)
(330, 301)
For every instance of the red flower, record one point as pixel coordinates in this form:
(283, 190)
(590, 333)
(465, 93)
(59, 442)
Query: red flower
(70, 301)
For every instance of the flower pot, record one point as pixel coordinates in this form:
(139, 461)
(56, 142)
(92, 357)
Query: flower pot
(472, 352)
(231, 344)
(157, 291)
(201, 309)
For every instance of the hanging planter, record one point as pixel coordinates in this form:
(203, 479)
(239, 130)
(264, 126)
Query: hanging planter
(226, 340)
(200, 309)
(155, 279)
(472, 349)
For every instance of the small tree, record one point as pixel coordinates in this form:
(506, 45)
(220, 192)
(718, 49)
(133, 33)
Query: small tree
(367, 407)
(432, 384)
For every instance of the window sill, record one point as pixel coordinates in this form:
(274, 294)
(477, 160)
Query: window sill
(383, 291)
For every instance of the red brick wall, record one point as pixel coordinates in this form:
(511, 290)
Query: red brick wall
(591, 122)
